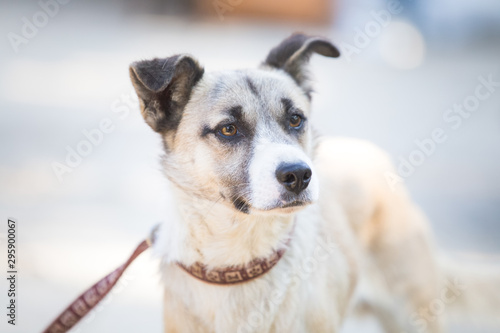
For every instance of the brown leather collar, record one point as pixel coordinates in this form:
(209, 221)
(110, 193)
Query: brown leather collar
(234, 274)
(92, 296)
(238, 273)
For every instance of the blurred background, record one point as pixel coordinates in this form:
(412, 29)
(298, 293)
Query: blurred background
(83, 200)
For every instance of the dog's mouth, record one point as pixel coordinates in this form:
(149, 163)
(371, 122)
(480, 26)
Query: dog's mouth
(242, 205)
(288, 207)
(296, 203)
(282, 207)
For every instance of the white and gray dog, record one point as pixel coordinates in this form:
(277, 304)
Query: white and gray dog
(278, 229)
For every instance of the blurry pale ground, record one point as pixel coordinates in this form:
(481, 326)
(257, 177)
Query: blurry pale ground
(65, 80)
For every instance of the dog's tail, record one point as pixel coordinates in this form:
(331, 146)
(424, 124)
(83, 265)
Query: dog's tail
(470, 292)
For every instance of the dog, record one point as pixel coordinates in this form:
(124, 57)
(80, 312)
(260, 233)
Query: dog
(276, 228)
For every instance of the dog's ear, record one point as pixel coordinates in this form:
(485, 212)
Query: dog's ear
(164, 87)
(293, 54)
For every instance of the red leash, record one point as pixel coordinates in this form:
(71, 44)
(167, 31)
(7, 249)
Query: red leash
(90, 298)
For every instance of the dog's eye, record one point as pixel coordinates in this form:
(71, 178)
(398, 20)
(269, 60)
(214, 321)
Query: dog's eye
(295, 121)
(228, 130)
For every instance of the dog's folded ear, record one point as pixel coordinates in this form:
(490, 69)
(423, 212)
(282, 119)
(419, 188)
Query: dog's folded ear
(164, 87)
(294, 52)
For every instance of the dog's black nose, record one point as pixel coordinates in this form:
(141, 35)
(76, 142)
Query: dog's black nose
(295, 177)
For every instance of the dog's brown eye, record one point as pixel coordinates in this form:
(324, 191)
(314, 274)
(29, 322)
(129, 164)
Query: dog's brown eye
(295, 120)
(229, 130)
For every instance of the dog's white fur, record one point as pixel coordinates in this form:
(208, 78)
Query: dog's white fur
(332, 247)
(360, 245)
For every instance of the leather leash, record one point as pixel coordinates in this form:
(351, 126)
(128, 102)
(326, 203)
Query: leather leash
(92, 296)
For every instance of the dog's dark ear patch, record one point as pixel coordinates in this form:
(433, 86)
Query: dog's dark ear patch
(294, 52)
(164, 87)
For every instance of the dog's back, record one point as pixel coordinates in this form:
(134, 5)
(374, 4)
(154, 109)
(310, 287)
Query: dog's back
(404, 280)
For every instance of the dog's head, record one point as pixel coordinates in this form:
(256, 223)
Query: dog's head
(239, 137)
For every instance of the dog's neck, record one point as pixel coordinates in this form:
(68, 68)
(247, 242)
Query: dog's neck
(217, 235)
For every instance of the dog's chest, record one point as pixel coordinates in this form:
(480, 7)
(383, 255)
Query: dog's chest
(295, 296)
